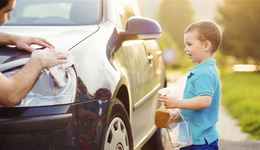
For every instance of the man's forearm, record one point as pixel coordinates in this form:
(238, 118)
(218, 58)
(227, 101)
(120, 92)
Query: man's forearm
(7, 39)
(13, 89)
(22, 82)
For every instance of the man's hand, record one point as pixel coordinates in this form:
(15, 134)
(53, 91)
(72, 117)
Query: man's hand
(25, 43)
(49, 58)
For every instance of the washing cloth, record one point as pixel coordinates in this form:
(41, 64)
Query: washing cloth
(59, 71)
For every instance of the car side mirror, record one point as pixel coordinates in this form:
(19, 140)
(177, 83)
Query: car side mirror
(141, 28)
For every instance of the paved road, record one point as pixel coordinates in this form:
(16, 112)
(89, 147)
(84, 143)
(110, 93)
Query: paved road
(231, 136)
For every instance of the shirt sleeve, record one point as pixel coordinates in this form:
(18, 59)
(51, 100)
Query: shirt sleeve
(204, 84)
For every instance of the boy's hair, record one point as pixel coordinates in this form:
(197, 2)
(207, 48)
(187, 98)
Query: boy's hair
(3, 3)
(207, 30)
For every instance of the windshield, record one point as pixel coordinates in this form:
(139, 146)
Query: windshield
(56, 12)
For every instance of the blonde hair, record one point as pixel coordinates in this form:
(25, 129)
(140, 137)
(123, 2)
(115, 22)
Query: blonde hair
(207, 31)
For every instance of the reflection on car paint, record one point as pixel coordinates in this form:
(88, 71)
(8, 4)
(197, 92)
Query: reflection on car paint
(85, 131)
(92, 117)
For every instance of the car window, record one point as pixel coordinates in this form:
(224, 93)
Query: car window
(56, 9)
(125, 11)
(56, 12)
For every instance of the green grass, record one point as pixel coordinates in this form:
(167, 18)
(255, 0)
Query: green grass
(241, 96)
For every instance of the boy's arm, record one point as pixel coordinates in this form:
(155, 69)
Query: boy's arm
(196, 103)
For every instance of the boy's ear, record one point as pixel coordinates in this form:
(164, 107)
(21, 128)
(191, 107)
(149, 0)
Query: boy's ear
(207, 46)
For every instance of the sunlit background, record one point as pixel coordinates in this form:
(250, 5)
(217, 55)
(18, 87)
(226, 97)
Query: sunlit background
(205, 9)
(238, 57)
(175, 15)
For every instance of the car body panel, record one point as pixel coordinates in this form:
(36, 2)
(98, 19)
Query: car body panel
(58, 35)
(85, 128)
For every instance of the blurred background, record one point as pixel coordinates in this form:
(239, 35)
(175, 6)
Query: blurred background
(238, 57)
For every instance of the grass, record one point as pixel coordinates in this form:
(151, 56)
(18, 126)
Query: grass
(241, 96)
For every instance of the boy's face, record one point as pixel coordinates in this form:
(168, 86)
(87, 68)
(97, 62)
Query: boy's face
(195, 49)
(5, 13)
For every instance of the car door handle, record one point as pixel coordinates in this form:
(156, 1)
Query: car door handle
(150, 57)
(159, 53)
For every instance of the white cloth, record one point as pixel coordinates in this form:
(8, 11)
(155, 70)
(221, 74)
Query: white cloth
(58, 72)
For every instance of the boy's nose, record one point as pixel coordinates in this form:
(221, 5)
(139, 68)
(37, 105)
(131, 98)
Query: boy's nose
(185, 49)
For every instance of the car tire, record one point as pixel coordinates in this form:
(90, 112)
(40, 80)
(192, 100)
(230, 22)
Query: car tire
(157, 141)
(118, 133)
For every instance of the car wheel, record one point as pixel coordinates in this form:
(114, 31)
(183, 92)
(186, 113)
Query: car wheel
(157, 141)
(118, 134)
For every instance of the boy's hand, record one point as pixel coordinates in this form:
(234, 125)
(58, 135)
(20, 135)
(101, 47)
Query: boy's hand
(169, 102)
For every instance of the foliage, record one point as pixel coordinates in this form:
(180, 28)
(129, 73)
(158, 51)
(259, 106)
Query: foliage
(240, 95)
(165, 41)
(174, 17)
(181, 60)
(222, 64)
(240, 20)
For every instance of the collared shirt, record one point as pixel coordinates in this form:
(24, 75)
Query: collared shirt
(203, 80)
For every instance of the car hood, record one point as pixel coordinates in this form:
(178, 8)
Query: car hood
(62, 37)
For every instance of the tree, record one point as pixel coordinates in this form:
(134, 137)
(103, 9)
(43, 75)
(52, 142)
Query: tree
(240, 20)
(174, 16)
(181, 60)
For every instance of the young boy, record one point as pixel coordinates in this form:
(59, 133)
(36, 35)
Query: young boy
(201, 97)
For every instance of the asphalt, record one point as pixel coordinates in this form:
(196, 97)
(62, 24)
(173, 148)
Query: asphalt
(239, 145)
(231, 135)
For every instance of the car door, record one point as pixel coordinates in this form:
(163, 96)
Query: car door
(135, 61)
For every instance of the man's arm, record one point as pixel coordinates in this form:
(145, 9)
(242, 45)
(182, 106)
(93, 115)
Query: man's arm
(22, 42)
(13, 89)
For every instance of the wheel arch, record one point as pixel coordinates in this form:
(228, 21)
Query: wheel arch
(123, 96)
(122, 93)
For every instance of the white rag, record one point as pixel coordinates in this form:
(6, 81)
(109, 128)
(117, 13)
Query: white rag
(59, 71)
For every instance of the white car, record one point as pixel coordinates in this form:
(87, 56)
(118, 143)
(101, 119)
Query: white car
(111, 92)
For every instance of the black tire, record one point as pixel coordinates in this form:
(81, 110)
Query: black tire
(156, 142)
(118, 134)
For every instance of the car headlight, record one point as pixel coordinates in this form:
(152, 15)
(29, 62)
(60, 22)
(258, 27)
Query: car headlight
(45, 91)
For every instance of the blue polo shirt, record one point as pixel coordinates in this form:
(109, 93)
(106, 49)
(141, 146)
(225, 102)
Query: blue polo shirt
(203, 80)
